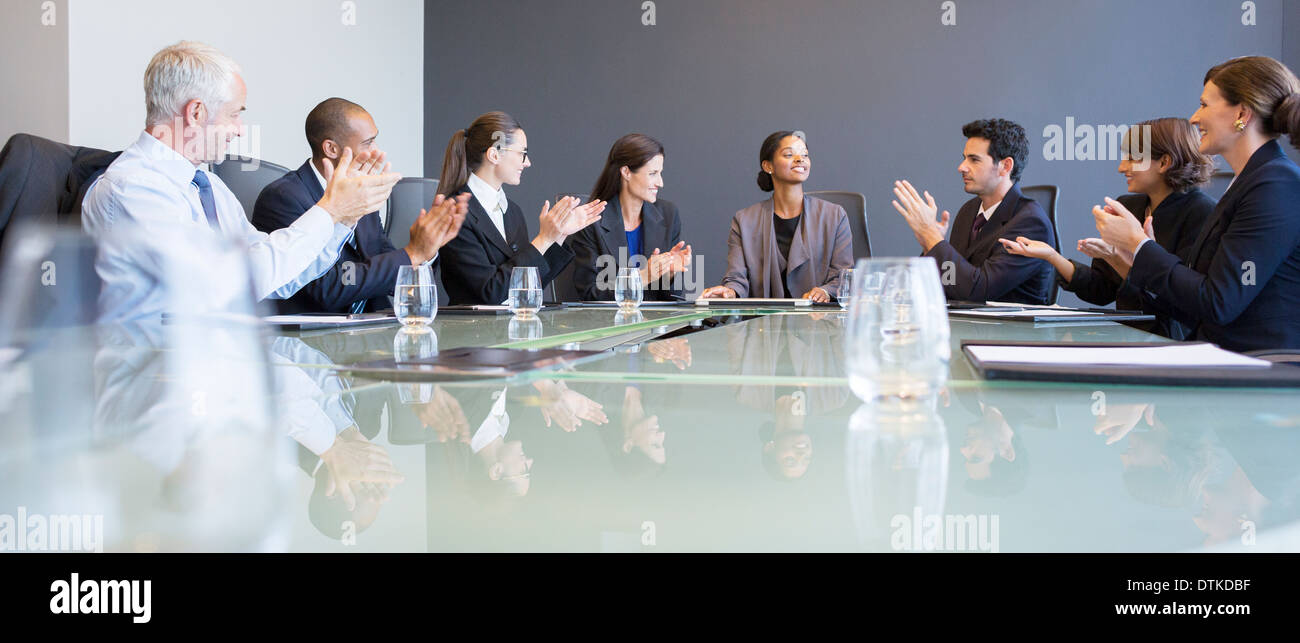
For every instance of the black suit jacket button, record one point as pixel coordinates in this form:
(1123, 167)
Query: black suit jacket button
(515, 247)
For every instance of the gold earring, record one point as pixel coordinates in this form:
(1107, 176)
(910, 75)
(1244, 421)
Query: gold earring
(1240, 125)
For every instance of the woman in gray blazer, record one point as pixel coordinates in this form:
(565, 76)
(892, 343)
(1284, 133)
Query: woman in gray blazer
(790, 245)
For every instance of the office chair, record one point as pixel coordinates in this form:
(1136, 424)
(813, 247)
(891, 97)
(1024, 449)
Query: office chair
(1046, 196)
(856, 206)
(247, 177)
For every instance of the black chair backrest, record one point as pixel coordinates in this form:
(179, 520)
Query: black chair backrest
(1046, 196)
(561, 288)
(247, 177)
(409, 196)
(42, 181)
(856, 206)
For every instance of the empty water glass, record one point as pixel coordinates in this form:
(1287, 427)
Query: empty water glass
(628, 289)
(415, 297)
(898, 337)
(525, 292)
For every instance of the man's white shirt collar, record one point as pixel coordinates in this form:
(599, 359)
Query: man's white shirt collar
(988, 214)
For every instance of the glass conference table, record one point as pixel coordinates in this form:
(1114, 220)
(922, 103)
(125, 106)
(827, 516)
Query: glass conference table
(719, 430)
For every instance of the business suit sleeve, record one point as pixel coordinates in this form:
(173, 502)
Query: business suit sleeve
(343, 283)
(469, 272)
(1002, 272)
(1263, 232)
(1096, 284)
(587, 265)
(841, 255)
(737, 277)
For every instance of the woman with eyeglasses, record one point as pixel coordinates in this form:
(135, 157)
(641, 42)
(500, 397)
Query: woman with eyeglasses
(791, 245)
(493, 241)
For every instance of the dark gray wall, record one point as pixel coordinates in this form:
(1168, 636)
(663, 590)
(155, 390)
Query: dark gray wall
(880, 87)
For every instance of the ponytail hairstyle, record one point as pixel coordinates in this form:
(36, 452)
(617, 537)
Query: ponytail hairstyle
(633, 152)
(467, 147)
(1267, 87)
(768, 152)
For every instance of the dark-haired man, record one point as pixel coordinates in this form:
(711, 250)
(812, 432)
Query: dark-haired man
(366, 271)
(973, 265)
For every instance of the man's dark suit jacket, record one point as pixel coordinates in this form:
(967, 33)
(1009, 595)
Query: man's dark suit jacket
(42, 181)
(1240, 283)
(1178, 222)
(660, 228)
(367, 265)
(478, 262)
(981, 269)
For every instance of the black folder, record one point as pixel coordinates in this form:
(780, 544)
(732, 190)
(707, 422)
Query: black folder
(1274, 376)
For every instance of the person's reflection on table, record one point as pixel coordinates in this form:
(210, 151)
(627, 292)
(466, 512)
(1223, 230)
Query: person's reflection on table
(676, 350)
(996, 461)
(504, 468)
(637, 450)
(567, 408)
(1182, 467)
(352, 476)
(444, 416)
(787, 448)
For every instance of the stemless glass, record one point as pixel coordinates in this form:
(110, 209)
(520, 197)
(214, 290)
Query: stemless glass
(897, 340)
(415, 297)
(628, 289)
(520, 329)
(846, 288)
(412, 343)
(525, 292)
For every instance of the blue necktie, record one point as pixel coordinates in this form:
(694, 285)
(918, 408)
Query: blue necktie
(205, 197)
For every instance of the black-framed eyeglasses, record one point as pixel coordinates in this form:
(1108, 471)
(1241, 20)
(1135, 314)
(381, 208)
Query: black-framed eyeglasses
(524, 152)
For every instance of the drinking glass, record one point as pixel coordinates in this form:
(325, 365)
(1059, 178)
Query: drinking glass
(628, 289)
(520, 329)
(525, 292)
(898, 336)
(846, 288)
(415, 297)
(414, 343)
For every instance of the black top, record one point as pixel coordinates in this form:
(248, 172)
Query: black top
(1178, 221)
(785, 230)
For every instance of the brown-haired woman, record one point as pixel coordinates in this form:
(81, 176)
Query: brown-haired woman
(638, 230)
(476, 265)
(1165, 170)
(1239, 284)
(791, 245)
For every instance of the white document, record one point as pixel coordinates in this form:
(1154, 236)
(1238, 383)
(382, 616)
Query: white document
(1185, 355)
(340, 320)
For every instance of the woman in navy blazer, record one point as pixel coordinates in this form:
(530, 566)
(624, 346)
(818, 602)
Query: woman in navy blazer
(1239, 285)
(493, 241)
(638, 230)
(791, 245)
(1164, 169)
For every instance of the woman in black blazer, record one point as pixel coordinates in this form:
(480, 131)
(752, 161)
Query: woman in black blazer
(638, 230)
(1239, 284)
(493, 241)
(1164, 169)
